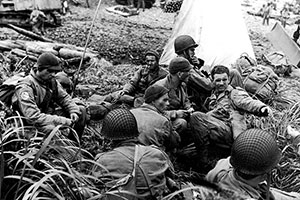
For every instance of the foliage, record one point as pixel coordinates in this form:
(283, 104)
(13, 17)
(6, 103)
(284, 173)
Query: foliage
(36, 166)
(286, 175)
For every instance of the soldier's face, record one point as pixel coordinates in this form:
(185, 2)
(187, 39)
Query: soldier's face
(47, 74)
(162, 103)
(184, 76)
(220, 82)
(191, 52)
(151, 62)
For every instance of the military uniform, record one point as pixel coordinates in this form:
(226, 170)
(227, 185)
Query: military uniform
(142, 79)
(223, 173)
(178, 99)
(37, 19)
(34, 99)
(225, 119)
(154, 127)
(153, 166)
(136, 87)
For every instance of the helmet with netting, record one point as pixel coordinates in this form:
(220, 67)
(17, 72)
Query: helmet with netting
(255, 152)
(119, 124)
(184, 42)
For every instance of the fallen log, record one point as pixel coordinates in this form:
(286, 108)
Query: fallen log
(70, 53)
(7, 45)
(29, 33)
(22, 53)
(64, 51)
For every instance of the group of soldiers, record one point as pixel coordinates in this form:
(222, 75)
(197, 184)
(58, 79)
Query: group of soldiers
(170, 108)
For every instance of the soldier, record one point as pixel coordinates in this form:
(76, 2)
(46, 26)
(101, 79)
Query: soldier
(141, 80)
(148, 167)
(180, 106)
(37, 93)
(225, 119)
(199, 84)
(154, 125)
(248, 170)
(37, 20)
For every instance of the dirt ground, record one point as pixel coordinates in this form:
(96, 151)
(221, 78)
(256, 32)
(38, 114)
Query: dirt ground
(123, 40)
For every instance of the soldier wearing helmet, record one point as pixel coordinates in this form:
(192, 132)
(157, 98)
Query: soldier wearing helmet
(225, 119)
(149, 176)
(180, 106)
(253, 155)
(38, 93)
(200, 85)
(147, 75)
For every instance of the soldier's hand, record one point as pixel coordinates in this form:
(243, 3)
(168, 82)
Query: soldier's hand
(191, 110)
(195, 61)
(266, 111)
(74, 117)
(69, 122)
(182, 113)
(118, 96)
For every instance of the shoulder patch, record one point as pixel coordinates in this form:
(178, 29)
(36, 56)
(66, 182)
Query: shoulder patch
(24, 95)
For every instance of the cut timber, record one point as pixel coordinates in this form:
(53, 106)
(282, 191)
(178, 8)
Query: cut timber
(70, 53)
(29, 33)
(37, 47)
(7, 45)
(283, 42)
(23, 53)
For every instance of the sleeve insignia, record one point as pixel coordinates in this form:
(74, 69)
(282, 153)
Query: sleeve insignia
(25, 96)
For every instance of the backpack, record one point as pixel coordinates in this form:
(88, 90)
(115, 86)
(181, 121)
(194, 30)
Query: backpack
(243, 63)
(7, 90)
(261, 82)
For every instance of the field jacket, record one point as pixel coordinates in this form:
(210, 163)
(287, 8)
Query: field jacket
(153, 167)
(178, 97)
(199, 81)
(223, 174)
(154, 127)
(230, 106)
(29, 96)
(142, 79)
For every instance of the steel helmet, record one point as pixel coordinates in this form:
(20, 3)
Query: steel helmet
(119, 124)
(184, 42)
(255, 152)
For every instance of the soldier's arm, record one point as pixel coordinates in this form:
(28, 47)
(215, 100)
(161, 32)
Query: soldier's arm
(243, 101)
(28, 107)
(132, 85)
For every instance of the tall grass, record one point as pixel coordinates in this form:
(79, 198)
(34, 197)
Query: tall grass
(35, 166)
(286, 175)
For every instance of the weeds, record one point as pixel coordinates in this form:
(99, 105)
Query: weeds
(36, 166)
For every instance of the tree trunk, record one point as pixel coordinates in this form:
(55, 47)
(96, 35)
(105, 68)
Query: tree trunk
(29, 33)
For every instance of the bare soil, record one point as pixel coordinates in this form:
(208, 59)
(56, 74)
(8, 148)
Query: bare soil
(123, 40)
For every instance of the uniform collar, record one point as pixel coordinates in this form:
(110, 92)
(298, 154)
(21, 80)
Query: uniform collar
(225, 92)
